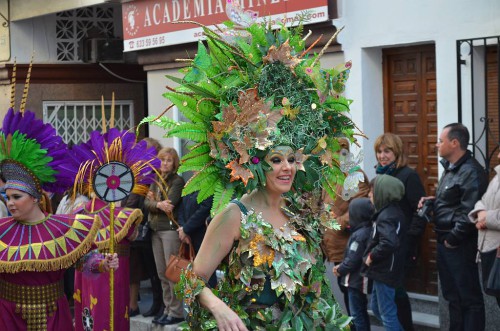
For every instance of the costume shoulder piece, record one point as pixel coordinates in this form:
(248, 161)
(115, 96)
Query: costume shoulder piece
(54, 243)
(124, 219)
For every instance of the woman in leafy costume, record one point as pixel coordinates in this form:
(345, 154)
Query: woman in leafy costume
(265, 119)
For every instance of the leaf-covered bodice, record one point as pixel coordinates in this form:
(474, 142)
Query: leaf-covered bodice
(279, 254)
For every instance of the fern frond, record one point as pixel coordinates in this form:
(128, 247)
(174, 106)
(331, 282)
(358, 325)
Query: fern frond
(196, 150)
(222, 196)
(164, 122)
(209, 179)
(195, 163)
(186, 105)
(191, 131)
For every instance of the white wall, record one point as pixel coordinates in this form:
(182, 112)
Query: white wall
(371, 26)
(157, 104)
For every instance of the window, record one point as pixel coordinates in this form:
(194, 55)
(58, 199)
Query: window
(74, 25)
(75, 120)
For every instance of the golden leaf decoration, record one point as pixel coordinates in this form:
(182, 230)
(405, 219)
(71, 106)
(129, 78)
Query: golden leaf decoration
(283, 55)
(239, 172)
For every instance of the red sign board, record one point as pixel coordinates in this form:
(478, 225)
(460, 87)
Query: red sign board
(152, 23)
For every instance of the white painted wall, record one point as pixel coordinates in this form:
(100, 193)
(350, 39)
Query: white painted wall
(373, 25)
(157, 104)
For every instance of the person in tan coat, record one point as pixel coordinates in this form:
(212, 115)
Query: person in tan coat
(335, 241)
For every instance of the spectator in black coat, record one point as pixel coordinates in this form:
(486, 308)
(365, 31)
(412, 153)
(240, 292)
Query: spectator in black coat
(193, 221)
(383, 257)
(360, 213)
(391, 160)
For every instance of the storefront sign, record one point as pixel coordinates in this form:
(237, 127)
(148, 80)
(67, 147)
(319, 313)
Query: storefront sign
(152, 23)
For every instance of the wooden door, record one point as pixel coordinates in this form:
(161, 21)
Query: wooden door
(492, 78)
(411, 112)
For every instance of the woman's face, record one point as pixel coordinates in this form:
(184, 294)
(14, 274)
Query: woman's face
(20, 204)
(385, 155)
(284, 167)
(167, 163)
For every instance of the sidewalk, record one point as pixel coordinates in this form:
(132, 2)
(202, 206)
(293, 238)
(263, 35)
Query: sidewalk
(141, 323)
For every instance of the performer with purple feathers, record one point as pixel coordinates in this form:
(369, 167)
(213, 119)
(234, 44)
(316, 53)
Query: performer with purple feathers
(37, 247)
(92, 291)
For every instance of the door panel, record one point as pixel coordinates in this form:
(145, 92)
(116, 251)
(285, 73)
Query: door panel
(411, 112)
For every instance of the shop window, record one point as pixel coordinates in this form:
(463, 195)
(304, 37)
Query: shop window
(75, 120)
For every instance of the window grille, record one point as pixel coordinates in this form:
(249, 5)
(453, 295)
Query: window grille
(75, 120)
(73, 25)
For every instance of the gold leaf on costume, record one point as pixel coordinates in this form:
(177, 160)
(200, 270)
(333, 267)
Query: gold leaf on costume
(273, 119)
(241, 148)
(261, 141)
(262, 253)
(321, 145)
(239, 172)
(326, 158)
(229, 115)
(283, 55)
(217, 148)
(251, 105)
(300, 158)
(291, 113)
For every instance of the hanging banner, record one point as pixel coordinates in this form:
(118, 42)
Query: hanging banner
(151, 23)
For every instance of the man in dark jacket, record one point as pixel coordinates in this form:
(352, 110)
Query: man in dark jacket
(384, 259)
(462, 184)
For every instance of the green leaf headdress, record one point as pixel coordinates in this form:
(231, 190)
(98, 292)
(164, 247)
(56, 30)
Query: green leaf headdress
(247, 91)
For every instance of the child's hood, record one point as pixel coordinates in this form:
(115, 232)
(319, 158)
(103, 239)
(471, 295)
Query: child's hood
(387, 189)
(360, 211)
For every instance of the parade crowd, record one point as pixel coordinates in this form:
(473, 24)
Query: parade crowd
(276, 196)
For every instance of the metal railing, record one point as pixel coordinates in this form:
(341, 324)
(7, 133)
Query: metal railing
(475, 58)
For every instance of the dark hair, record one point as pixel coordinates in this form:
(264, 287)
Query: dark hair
(459, 132)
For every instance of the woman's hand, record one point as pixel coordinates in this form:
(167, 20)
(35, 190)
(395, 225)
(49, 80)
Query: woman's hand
(336, 270)
(481, 220)
(183, 236)
(110, 262)
(165, 206)
(227, 319)
(150, 195)
(368, 260)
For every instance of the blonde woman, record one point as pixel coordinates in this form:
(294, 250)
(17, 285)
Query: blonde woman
(162, 202)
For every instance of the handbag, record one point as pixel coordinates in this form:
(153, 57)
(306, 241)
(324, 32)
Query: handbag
(492, 286)
(177, 263)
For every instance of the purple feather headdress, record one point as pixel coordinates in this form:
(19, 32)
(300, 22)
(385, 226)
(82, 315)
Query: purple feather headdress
(46, 163)
(115, 145)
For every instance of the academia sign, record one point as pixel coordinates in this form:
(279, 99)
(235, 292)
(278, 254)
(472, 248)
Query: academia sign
(152, 23)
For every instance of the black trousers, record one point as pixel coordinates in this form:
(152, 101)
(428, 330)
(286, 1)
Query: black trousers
(459, 277)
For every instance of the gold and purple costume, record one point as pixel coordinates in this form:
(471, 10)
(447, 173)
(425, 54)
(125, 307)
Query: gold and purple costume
(33, 258)
(92, 291)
